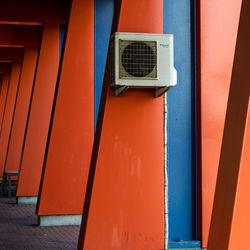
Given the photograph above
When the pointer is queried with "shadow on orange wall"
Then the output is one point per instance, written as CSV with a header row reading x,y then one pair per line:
x,y
219,25
230,218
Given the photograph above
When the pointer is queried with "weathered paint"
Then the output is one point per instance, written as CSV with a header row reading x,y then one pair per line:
x,y
229,228
15,146
127,203
218,32
40,113
8,113
72,129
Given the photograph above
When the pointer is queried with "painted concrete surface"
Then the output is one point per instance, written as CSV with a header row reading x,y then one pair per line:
x,y
27,200
60,220
219,25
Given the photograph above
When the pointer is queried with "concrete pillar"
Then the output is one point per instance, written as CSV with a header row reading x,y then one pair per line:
x,y
21,110
40,113
124,204
8,113
67,163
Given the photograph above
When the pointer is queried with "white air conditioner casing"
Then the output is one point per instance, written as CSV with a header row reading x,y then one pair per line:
x,y
142,60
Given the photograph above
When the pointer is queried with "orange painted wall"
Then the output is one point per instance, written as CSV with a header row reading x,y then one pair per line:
x,y
72,134
219,26
40,113
127,203
3,95
8,113
21,110
230,221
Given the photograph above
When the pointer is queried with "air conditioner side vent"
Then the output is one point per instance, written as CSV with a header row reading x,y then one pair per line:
x,y
112,61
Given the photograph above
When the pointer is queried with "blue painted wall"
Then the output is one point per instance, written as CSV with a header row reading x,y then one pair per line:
x,y
62,32
178,20
181,160
104,10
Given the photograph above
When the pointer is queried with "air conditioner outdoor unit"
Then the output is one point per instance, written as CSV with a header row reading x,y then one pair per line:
x,y
141,60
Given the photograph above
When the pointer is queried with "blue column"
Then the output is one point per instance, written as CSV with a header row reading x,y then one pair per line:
x,y
104,10
179,20
62,30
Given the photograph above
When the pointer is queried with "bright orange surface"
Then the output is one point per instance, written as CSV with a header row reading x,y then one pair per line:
x,y
8,113
127,205
229,227
40,113
21,110
3,94
219,24
72,133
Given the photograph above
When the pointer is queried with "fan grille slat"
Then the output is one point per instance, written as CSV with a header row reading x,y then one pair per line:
x,y
138,59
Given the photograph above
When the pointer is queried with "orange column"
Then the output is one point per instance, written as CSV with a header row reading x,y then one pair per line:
x,y
8,113
40,113
72,131
127,203
3,95
219,24
230,218
21,110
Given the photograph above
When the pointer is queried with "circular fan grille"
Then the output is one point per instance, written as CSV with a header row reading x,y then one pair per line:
x,y
138,59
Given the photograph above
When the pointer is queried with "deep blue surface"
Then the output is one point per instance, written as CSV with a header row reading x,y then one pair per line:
x,y
184,244
62,31
104,10
178,20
